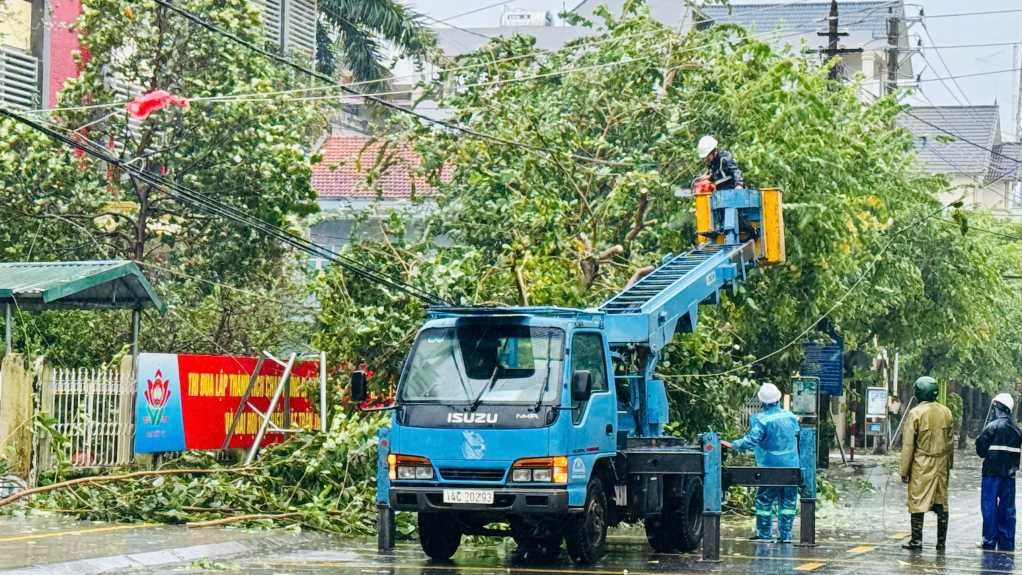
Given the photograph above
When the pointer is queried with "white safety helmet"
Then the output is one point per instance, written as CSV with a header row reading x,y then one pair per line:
x,y
706,145
1006,400
768,393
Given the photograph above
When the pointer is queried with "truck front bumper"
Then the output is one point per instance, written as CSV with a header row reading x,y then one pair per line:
x,y
508,500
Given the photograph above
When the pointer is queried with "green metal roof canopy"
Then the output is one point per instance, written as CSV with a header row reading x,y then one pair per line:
x,y
116,284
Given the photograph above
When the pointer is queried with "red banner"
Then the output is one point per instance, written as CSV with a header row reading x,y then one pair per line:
x,y
210,388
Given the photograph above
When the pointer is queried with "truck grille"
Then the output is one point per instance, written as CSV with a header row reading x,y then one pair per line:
x,y
461,474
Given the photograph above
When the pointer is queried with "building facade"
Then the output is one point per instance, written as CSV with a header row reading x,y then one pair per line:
x,y
38,45
982,169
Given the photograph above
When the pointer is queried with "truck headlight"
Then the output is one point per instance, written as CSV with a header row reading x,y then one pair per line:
x,y
409,467
540,470
545,474
521,475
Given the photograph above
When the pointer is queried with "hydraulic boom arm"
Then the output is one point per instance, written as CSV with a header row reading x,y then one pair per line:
x,y
743,228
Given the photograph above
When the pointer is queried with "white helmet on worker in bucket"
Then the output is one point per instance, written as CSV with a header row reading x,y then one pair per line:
x,y
1006,400
706,145
768,393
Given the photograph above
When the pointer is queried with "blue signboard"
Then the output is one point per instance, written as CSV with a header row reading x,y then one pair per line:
x,y
158,422
825,361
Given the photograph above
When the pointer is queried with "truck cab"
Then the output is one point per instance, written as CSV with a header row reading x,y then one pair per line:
x,y
506,416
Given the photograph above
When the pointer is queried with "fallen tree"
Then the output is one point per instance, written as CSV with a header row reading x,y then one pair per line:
x,y
323,481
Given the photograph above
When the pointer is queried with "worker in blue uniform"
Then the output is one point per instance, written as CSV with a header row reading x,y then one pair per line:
x,y
1000,446
773,435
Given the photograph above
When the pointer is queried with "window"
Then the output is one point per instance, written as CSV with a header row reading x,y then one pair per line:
x,y
587,354
491,364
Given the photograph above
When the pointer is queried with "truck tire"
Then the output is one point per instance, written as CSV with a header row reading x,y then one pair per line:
x,y
537,549
586,535
690,517
680,526
659,533
439,535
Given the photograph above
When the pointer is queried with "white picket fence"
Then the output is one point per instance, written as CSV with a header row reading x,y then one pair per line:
x,y
93,409
751,407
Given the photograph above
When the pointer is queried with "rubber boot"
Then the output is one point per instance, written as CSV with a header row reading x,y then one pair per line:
x,y
942,519
916,543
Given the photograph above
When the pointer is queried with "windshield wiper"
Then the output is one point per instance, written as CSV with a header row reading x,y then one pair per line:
x,y
482,392
454,360
546,380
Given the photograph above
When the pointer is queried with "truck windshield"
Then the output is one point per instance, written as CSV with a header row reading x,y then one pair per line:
x,y
478,364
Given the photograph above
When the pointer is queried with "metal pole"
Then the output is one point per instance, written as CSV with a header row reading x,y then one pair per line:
x,y
243,403
8,332
712,496
807,460
322,392
269,410
386,530
136,324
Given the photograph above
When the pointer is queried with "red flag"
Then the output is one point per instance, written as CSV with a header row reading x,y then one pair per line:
x,y
146,104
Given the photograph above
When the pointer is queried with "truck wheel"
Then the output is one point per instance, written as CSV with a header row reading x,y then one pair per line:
x,y
439,535
689,516
680,526
659,533
586,536
537,549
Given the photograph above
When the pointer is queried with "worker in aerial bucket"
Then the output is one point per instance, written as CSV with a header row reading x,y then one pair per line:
x,y
927,454
999,445
724,171
773,434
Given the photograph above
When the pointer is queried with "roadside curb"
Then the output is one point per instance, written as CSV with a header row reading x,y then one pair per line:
x,y
149,559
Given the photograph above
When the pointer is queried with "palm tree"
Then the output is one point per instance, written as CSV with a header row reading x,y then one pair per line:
x,y
349,35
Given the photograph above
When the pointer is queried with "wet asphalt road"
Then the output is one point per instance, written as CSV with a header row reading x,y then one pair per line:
x,y
861,534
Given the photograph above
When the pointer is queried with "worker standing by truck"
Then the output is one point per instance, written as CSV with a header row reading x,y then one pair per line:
x,y
773,434
999,445
724,171
927,454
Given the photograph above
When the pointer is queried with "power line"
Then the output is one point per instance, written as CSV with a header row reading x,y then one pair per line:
x,y
386,104
982,13
473,11
398,108
978,45
975,75
186,195
855,285
960,137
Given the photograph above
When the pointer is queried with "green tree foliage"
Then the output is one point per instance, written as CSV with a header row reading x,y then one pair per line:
x,y
253,154
607,127
350,35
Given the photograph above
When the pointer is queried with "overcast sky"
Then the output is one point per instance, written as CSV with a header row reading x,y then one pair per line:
x,y
949,31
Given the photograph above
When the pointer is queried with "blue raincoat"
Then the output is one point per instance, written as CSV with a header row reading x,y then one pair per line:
x,y
773,435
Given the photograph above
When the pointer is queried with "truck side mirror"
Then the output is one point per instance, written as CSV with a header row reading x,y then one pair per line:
x,y
359,390
581,385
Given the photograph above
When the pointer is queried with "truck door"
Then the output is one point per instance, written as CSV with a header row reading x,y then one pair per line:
x,y
594,422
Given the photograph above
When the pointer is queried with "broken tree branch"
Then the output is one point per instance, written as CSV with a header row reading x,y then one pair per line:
x,y
240,518
104,478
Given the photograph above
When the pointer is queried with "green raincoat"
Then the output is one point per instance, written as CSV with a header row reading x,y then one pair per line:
x,y
927,454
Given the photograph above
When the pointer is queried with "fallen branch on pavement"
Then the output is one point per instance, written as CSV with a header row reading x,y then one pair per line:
x,y
95,479
240,518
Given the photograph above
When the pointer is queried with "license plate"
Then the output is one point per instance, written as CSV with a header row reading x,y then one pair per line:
x,y
471,496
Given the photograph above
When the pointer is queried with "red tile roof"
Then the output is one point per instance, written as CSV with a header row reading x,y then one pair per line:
x,y
349,170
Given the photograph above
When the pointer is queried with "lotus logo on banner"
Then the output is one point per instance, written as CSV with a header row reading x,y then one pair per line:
x,y
157,394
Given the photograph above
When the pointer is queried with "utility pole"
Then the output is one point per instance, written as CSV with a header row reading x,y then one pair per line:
x,y
1016,62
893,26
833,34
